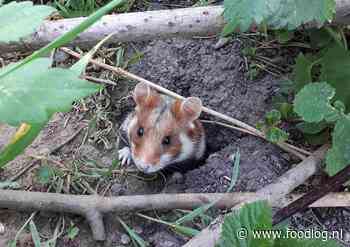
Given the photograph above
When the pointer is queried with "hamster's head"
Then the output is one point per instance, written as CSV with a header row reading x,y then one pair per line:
x,y
163,131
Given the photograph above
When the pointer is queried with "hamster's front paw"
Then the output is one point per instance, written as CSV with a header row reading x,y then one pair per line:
x,y
124,156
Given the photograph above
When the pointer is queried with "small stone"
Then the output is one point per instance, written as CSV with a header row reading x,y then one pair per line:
x,y
125,239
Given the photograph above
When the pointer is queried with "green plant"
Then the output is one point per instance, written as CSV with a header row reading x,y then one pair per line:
x,y
276,14
252,226
270,127
26,97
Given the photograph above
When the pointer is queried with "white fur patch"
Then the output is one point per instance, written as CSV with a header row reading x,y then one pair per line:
x,y
186,148
201,148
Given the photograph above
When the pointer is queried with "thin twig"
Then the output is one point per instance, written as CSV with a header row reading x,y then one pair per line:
x,y
99,80
289,148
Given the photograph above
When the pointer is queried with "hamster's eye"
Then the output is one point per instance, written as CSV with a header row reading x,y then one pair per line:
x,y
140,132
166,140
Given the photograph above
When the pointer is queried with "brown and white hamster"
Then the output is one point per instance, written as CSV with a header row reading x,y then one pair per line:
x,y
162,131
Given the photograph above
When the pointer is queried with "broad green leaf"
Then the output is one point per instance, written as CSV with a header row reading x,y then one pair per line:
x,y
35,234
312,103
67,37
312,128
336,72
34,92
19,19
252,216
302,72
338,157
24,136
276,135
278,14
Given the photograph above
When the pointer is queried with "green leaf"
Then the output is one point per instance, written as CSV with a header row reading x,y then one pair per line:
x,y
135,237
73,232
312,103
319,37
278,14
67,37
35,234
272,118
338,157
283,36
252,216
24,136
276,135
34,92
336,71
302,72
44,174
19,19
312,128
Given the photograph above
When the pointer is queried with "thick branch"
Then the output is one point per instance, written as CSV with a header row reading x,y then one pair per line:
x,y
272,193
148,25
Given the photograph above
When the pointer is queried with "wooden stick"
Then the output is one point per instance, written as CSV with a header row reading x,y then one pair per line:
x,y
93,207
272,193
332,184
184,22
119,71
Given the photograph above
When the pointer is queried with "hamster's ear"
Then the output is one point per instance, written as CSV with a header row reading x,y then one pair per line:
x,y
145,96
188,109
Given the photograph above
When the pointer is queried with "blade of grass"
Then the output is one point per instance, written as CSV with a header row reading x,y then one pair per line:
x,y
69,36
35,234
181,229
135,237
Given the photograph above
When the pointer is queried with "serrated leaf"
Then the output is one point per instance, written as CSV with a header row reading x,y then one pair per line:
x,y
338,157
336,71
34,92
19,19
276,135
252,216
278,14
24,136
302,72
312,103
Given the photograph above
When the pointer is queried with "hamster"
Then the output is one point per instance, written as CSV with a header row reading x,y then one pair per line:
x,y
162,131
